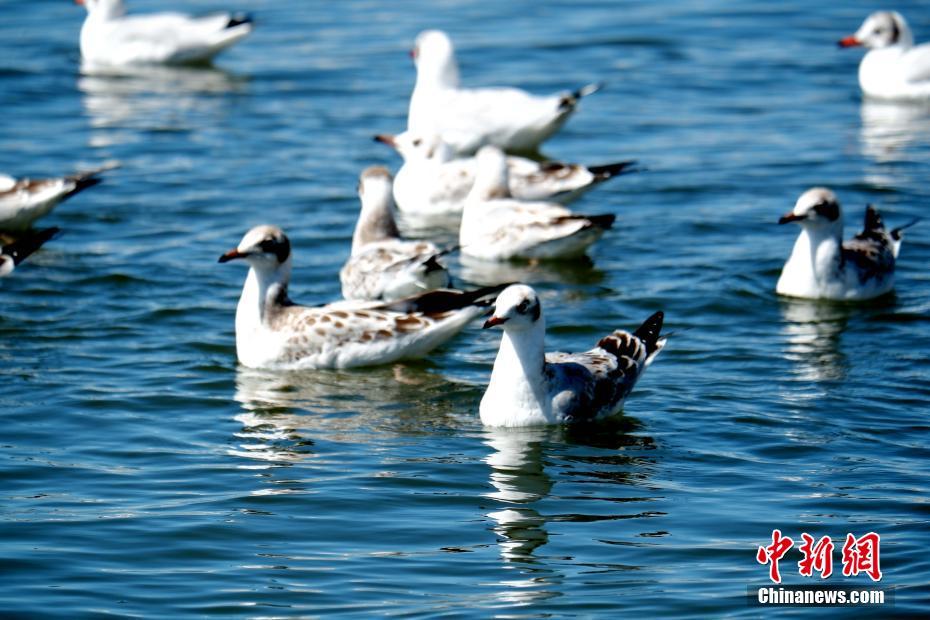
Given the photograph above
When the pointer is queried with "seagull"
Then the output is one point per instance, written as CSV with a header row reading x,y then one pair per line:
x,y
823,266
530,387
468,118
23,201
382,265
434,183
274,332
894,68
495,226
110,38
15,252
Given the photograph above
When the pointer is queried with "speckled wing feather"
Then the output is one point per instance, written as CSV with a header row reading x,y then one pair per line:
x,y
871,252
588,385
393,269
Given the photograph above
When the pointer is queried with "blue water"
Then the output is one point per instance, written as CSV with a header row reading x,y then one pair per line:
x,y
143,473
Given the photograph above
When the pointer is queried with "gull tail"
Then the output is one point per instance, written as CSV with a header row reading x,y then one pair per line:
x,y
88,178
437,302
604,222
237,19
897,236
607,171
649,333
28,243
570,100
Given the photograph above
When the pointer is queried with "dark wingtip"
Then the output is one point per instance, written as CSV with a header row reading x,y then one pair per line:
x,y
446,300
873,221
649,331
29,243
602,221
611,170
238,19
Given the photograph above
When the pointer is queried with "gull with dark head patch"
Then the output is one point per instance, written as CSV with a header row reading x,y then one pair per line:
x,y
382,265
893,68
274,332
531,387
823,266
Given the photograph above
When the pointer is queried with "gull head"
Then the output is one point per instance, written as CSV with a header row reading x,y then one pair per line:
x,y
264,248
415,146
880,29
817,207
375,185
517,309
491,179
434,57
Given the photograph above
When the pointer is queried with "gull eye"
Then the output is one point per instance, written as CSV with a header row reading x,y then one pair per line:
x,y
523,306
417,142
267,245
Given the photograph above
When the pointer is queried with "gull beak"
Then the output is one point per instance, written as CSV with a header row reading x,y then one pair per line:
x,y
231,255
388,139
493,321
791,217
79,2
413,54
850,41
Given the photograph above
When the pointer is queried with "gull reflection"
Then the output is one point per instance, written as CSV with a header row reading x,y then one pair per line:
x,y
280,410
156,98
891,130
812,331
518,474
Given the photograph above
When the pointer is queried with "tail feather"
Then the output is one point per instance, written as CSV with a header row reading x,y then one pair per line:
x,y
237,19
571,99
604,221
88,178
649,331
437,302
873,221
602,173
896,232
20,249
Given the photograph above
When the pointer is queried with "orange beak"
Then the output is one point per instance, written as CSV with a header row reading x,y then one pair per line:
x,y
493,321
231,255
849,41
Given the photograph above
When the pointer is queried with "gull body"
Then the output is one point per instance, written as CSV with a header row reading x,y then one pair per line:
x,y
893,68
823,266
468,118
274,332
111,38
530,387
432,182
382,265
495,226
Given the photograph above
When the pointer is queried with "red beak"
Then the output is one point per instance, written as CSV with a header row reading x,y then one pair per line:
x,y
849,41
79,1
384,138
790,217
413,54
231,255
493,321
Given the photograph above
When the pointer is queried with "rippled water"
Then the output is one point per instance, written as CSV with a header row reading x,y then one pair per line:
x,y
144,474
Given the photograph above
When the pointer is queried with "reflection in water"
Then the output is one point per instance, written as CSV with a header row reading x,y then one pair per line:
x,y
890,130
153,98
281,408
489,273
812,330
518,475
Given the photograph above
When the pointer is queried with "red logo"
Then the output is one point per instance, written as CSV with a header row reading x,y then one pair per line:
x,y
860,555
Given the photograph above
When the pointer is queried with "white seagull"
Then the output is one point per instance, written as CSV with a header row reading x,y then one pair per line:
x,y
15,252
894,68
495,226
530,387
110,38
432,183
273,332
382,265
23,201
823,266
468,118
